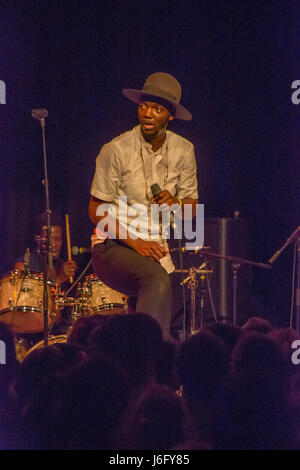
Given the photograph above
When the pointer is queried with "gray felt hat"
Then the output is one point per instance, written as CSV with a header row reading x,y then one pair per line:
x,y
161,85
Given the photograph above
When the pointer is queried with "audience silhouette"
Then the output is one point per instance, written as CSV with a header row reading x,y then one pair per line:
x,y
117,384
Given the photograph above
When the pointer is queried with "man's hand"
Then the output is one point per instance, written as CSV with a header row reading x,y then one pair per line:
x,y
165,197
149,248
69,268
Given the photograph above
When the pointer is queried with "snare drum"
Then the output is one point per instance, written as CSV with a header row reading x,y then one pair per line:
x,y
98,298
21,301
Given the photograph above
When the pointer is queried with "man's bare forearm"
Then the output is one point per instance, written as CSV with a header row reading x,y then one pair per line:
x,y
119,231
148,248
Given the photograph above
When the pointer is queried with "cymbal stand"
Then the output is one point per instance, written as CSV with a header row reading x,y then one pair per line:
x,y
202,294
192,283
235,267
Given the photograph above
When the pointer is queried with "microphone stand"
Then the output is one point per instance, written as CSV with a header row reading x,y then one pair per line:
x,y
297,293
235,265
295,236
41,114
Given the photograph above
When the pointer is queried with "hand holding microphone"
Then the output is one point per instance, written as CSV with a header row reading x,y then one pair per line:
x,y
150,248
163,197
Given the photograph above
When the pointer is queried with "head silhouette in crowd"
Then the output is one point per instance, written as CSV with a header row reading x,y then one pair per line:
x,y
203,365
285,338
134,341
257,351
227,332
261,325
257,415
157,420
82,328
165,370
41,365
96,397
203,368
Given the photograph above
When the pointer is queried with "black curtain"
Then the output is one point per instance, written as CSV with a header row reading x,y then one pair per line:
x,y
236,62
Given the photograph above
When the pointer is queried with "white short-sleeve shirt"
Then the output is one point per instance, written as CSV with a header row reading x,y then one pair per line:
x,y
127,167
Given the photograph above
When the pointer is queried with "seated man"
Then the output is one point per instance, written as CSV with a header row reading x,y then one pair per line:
x,y
62,270
143,167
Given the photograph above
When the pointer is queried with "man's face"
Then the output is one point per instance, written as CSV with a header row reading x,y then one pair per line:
x,y
153,118
56,239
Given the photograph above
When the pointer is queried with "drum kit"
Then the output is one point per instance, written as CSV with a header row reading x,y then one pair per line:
x,y
21,303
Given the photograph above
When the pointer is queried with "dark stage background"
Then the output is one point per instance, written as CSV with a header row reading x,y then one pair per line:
x,y
236,62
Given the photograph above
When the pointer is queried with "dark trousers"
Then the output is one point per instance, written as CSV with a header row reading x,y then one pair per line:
x,y
126,271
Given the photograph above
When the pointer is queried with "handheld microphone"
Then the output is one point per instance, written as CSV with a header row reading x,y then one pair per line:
x,y
80,250
155,189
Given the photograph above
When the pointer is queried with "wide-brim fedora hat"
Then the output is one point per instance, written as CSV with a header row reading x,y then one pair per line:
x,y
160,86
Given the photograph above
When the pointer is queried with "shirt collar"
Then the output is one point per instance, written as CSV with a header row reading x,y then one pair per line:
x,y
148,147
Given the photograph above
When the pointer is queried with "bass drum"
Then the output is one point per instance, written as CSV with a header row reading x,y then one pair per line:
x,y
98,298
51,340
21,301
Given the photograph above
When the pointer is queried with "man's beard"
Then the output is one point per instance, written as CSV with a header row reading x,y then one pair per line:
x,y
158,133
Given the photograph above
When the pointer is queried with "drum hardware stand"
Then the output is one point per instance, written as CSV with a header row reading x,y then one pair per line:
x,y
192,284
181,250
75,304
43,249
235,265
41,115
202,294
294,237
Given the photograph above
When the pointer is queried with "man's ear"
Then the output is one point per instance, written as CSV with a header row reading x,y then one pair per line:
x,y
171,118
